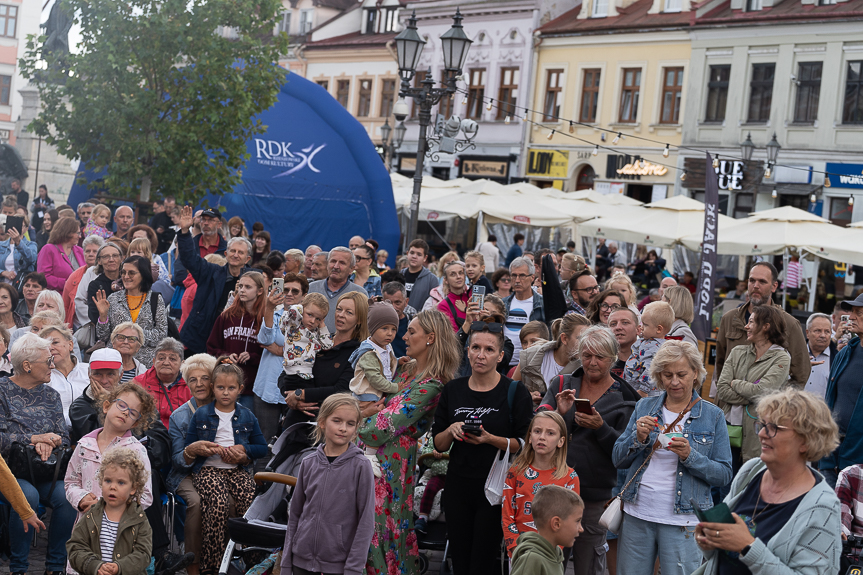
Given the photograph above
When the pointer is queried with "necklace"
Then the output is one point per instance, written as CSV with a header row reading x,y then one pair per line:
x,y
140,301
755,511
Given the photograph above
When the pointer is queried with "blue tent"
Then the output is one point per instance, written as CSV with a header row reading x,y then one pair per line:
x,y
314,176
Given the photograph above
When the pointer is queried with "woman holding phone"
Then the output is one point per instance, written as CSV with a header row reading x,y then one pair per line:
x,y
674,449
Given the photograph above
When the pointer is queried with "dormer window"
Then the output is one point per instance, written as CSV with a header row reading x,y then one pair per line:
x,y
753,5
600,9
673,5
371,16
306,21
380,21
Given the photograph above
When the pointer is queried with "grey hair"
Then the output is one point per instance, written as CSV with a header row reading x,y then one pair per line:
x,y
815,316
46,316
392,288
298,257
85,205
128,325
521,262
28,348
244,241
671,352
322,254
343,250
313,246
170,344
600,341
198,361
58,299
611,244
93,240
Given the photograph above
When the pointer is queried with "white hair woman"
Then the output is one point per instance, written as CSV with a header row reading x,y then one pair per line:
x,y
786,516
69,377
680,300
127,338
658,513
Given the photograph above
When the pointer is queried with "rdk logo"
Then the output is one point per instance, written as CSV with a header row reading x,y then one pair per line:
x,y
279,155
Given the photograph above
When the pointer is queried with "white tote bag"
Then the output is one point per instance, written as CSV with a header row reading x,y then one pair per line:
x,y
496,477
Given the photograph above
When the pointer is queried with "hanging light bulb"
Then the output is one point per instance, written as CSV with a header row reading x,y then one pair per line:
x,y
683,176
550,134
768,172
571,127
716,162
489,105
827,181
774,194
525,117
642,164
813,198
595,151
507,120
851,200
665,151
616,138
464,100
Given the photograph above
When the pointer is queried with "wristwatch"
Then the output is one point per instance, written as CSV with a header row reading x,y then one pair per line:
x,y
745,550
299,393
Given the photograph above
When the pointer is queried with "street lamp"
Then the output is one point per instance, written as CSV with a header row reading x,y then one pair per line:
x,y
409,46
391,145
747,147
773,147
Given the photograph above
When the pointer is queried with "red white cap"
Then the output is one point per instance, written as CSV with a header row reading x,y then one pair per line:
x,y
106,358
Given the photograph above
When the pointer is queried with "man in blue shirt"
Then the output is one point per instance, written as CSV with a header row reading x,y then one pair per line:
x,y
516,250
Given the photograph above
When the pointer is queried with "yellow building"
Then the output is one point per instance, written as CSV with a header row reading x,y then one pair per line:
x,y
620,66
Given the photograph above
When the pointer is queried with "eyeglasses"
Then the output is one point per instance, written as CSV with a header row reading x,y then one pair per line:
x,y
520,276
50,361
607,307
122,338
492,327
504,280
590,289
121,405
110,257
771,428
293,291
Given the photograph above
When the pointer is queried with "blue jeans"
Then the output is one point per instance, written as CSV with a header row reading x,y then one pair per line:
x,y
59,528
641,542
248,401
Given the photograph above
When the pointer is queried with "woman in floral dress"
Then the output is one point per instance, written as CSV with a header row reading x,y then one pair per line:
x,y
394,425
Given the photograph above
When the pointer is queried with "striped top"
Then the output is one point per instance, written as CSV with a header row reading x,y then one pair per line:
x,y
107,538
129,375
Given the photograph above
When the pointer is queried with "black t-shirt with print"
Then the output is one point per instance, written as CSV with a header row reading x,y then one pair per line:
x,y
458,401
410,278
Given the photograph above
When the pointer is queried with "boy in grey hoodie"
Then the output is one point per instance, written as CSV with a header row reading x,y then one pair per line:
x,y
557,515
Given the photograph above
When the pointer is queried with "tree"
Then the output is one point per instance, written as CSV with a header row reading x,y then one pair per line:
x,y
156,94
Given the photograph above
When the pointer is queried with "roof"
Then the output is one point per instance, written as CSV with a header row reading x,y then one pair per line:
x,y
354,39
633,17
787,10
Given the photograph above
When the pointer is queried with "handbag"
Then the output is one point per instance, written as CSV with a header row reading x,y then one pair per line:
x,y
25,463
612,518
494,483
735,435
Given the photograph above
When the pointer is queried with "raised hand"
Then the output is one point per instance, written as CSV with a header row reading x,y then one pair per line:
x,y
102,305
187,218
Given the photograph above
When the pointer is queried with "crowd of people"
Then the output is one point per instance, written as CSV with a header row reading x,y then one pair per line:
x,y
167,357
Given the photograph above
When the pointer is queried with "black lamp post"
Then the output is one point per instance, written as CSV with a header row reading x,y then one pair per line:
x,y
391,145
409,46
773,147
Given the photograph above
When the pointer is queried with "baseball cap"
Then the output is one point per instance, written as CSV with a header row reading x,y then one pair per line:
x,y
210,213
852,303
106,358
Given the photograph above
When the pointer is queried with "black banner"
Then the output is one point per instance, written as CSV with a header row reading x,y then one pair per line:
x,y
701,325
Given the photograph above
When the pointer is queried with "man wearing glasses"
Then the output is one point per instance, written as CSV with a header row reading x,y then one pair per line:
x,y
583,287
523,305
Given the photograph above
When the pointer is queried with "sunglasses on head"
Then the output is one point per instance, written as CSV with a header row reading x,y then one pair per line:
x,y
492,327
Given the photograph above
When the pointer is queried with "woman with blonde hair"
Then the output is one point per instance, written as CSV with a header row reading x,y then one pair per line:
x,y
621,283
127,338
437,294
381,260
394,425
680,301
787,519
141,247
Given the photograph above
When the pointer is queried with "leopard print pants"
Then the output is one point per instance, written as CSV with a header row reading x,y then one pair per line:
x,y
214,486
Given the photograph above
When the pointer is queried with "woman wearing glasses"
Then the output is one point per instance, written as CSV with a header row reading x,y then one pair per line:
x,y
127,338
752,371
107,276
69,377
663,479
786,517
502,283
365,274
477,416
37,418
603,304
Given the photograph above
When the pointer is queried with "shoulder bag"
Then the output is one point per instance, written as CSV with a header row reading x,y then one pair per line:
x,y
612,517
497,474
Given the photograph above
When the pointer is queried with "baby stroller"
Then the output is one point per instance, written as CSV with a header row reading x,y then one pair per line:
x,y
435,538
261,530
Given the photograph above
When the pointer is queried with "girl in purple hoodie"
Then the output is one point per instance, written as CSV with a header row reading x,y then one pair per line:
x,y
332,516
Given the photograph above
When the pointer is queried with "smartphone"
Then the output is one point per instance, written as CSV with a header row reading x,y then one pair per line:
x,y
583,406
10,222
845,318
477,295
717,514
472,425
278,285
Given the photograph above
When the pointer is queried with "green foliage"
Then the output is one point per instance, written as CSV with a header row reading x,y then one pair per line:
x,y
155,91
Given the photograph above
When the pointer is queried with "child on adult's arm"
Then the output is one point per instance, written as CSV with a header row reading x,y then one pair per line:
x,y
557,515
656,322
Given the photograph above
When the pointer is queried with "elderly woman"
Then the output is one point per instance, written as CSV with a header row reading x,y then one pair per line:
x,y
31,413
750,371
39,321
197,371
473,523
680,301
786,516
268,400
394,425
592,436
104,277
127,338
164,380
662,479
91,246
69,376
133,303
603,304
537,365
8,302
61,255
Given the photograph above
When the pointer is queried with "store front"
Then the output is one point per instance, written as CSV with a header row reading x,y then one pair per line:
x,y
738,184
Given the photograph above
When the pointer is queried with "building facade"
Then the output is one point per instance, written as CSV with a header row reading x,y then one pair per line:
x,y
607,74
792,68
298,19
18,19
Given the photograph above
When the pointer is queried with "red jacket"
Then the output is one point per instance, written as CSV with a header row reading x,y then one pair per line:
x,y
236,335
168,397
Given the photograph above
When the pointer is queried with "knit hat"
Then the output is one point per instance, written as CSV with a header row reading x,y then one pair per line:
x,y
381,314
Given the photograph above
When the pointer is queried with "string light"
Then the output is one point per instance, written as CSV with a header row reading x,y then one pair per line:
x,y
716,163
665,151
550,134
489,106
851,200
683,176
768,172
813,198
827,181
774,194
571,127
464,101
507,119
642,164
616,138
595,151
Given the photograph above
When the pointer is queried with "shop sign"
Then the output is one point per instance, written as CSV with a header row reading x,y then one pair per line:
x,y
648,169
484,168
733,175
432,216
845,175
548,163
730,175
522,219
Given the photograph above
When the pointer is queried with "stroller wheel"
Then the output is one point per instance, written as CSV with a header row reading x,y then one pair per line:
x,y
424,563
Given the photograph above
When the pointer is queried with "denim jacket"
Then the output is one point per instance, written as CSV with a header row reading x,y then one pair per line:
x,y
709,461
247,432
25,256
178,430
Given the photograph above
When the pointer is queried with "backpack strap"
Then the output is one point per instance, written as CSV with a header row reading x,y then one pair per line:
x,y
510,398
458,320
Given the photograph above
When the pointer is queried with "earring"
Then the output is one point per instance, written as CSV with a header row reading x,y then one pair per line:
x,y
28,371
428,343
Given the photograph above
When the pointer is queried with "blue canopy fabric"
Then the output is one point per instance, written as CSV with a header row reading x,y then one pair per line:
x,y
313,177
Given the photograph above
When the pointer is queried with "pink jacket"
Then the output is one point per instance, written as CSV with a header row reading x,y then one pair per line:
x,y
84,463
55,264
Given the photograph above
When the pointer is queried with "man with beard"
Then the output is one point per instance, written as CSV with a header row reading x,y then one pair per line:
x,y
762,284
583,287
